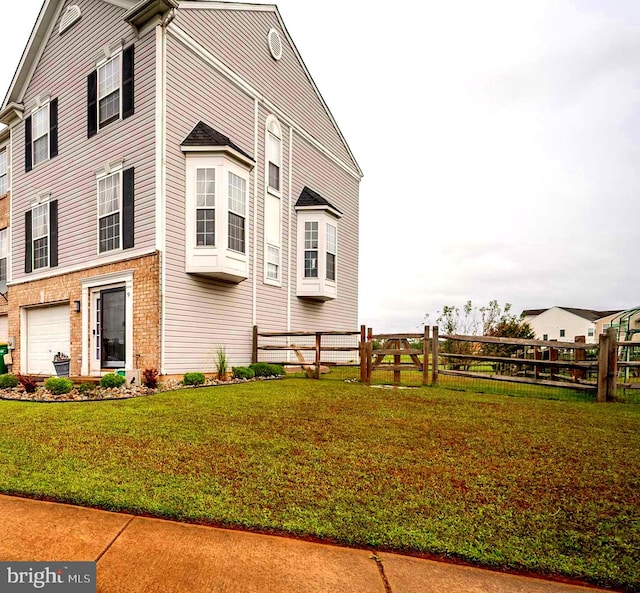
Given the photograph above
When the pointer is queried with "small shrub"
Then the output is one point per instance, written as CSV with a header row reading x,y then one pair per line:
x,y
8,381
150,378
243,373
193,379
28,383
221,363
263,369
86,388
58,385
112,380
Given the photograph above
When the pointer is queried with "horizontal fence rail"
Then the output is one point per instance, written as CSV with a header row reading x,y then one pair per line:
x,y
600,367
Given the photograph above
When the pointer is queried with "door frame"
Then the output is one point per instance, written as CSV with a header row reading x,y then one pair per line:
x,y
91,288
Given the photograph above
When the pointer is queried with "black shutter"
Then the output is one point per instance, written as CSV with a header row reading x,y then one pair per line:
x,y
92,104
53,128
127,82
28,157
53,234
28,265
128,210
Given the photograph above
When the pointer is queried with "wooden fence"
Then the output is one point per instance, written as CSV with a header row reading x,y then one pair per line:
x,y
573,365
319,346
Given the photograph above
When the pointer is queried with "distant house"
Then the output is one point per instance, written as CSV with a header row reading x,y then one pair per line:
x,y
565,323
626,323
170,177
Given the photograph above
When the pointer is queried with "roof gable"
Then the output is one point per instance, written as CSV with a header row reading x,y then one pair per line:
x,y
588,314
236,36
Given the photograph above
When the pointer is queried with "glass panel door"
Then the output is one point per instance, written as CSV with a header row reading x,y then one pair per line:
x,y
112,328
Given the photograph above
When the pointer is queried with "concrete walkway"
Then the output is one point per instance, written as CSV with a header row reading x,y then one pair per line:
x,y
136,555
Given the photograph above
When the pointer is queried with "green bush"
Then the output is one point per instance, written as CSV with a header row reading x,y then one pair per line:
x,y
264,369
58,385
86,388
112,380
243,373
8,381
193,379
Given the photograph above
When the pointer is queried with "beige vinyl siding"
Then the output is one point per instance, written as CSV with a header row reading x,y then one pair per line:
x,y
239,39
340,189
70,177
200,313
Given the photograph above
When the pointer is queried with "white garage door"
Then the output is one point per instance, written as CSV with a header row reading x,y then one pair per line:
x,y
4,329
47,333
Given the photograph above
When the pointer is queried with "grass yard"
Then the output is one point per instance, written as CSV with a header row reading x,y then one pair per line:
x,y
551,487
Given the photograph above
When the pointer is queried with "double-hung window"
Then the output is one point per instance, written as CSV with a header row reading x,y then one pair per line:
x,y
311,249
115,211
41,135
237,193
110,89
40,236
109,213
332,247
4,184
206,207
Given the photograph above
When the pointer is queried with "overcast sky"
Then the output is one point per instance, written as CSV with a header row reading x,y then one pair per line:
x,y
500,142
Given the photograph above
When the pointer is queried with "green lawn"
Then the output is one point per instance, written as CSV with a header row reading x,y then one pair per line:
x,y
528,484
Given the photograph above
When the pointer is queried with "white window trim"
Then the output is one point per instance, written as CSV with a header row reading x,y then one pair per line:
x,y
45,106
101,176
217,261
271,122
117,55
243,215
4,254
214,208
334,253
316,288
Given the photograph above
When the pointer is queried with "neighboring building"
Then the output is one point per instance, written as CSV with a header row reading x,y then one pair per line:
x,y
626,323
565,323
176,178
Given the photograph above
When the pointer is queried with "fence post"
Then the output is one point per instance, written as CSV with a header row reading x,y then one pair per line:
x,y
396,364
579,355
537,355
612,366
254,347
603,367
553,356
434,356
425,356
318,355
363,354
369,353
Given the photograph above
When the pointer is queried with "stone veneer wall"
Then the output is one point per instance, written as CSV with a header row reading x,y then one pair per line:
x,y
67,288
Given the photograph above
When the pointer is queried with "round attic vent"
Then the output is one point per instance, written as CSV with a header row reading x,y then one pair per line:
x,y
275,44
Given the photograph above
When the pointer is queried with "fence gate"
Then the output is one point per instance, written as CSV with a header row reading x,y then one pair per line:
x,y
405,355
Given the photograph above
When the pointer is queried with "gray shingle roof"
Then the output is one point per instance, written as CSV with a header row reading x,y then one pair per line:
x,y
204,135
589,314
308,198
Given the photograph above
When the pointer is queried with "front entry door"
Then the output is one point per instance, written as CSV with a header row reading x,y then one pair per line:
x,y
111,329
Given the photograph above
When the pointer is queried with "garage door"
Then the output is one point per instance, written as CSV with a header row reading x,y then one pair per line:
x,y
4,329
47,333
